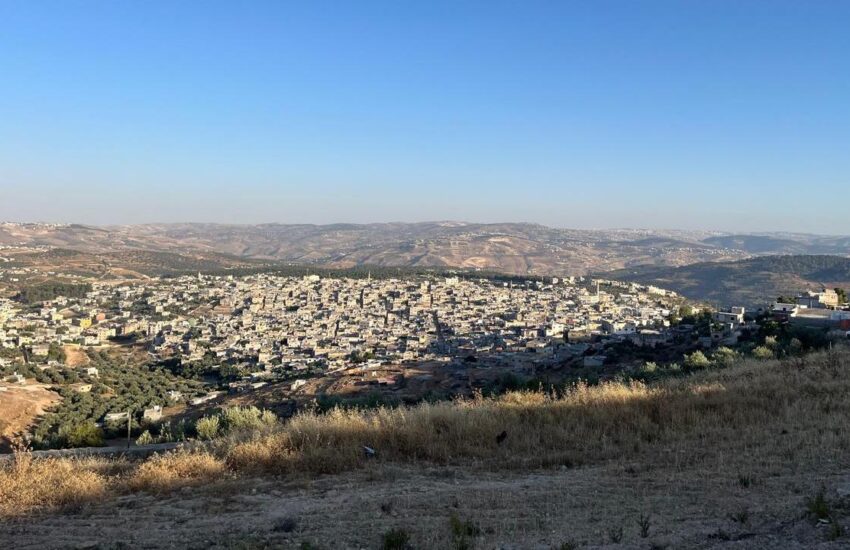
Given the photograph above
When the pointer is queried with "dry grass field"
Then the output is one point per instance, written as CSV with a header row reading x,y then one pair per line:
x,y
751,456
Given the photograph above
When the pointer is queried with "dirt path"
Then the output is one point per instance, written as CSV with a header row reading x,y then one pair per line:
x,y
588,507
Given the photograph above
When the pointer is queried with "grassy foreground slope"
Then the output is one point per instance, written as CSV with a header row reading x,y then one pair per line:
x,y
756,453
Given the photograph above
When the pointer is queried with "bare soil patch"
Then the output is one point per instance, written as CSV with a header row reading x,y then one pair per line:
x,y
20,407
75,356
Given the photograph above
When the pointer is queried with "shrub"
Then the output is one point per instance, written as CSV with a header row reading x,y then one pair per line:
x,y
239,419
725,357
697,360
145,439
208,427
173,432
763,353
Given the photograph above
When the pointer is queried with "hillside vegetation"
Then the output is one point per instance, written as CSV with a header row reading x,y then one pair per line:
x,y
756,414
752,282
49,291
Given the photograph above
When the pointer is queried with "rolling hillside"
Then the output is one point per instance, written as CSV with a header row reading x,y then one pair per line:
x,y
782,243
753,282
518,248
515,248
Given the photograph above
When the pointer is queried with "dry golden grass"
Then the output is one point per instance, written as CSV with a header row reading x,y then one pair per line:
x,y
744,408
27,485
756,413
163,473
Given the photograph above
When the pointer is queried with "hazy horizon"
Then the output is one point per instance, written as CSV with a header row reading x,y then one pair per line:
x,y
425,222
721,116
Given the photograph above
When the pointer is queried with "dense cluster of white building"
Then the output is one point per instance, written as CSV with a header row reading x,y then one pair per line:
x,y
272,323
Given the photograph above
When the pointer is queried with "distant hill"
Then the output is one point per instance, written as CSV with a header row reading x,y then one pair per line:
x,y
782,244
515,248
758,244
752,282
55,265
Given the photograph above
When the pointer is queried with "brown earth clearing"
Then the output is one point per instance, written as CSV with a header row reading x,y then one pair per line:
x,y
75,356
20,406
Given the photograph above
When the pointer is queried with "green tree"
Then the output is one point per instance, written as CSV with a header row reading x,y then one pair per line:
x,y
48,291
56,352
230,372
84,434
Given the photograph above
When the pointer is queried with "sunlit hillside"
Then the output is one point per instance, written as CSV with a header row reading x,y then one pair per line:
x,y
772,436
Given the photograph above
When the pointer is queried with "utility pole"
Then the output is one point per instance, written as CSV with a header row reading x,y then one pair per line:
x,y
129,417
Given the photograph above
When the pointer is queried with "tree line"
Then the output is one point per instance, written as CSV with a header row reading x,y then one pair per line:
x,y
43,292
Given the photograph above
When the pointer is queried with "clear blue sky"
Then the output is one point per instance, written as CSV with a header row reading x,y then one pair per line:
x,y
713,114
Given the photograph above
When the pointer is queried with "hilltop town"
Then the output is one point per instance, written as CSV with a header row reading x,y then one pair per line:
x,y
312,336
409,275
257,334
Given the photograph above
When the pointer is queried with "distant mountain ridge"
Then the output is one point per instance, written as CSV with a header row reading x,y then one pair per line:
x,y
780,244
519,248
